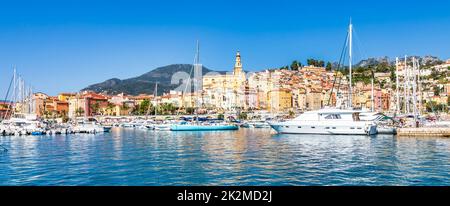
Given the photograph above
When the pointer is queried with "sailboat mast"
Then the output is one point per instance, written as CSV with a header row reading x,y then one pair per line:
x,y
197,60
408,89
372,98
414,73
13,106
350,52
419,88
156,99
405,79
397,106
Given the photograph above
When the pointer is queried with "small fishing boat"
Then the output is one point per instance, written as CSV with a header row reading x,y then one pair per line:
x,y
37,133
88,126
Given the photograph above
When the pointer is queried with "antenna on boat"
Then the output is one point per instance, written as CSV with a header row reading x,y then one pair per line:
x,y
350,53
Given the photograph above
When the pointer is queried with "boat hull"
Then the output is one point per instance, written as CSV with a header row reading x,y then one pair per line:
x,y
107,128
202,127
330,129
387,130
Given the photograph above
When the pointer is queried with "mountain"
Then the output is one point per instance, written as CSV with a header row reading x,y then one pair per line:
x,y
373,62
145,83
425,60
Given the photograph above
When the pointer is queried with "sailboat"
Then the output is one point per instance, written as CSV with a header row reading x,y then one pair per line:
x,y
23,119
196,125
159,126
327,121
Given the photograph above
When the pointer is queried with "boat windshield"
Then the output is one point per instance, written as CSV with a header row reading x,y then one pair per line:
x,y
333,116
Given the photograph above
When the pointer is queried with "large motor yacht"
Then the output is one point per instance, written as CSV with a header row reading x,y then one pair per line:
x,y
327,121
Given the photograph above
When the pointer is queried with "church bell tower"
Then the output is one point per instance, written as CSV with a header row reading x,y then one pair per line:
x,y
237,66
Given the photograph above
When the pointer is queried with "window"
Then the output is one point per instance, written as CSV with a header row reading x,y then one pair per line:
x,y
334,127
333,116
299,127
352,128
359,128
313,127
327,127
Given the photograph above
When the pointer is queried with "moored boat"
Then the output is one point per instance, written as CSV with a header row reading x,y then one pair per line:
x,y
189,127
326,121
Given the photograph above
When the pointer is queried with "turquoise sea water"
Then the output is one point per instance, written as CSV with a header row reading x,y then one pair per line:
x,y
243,157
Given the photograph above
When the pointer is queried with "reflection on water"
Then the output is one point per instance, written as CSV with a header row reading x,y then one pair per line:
x,y
243,157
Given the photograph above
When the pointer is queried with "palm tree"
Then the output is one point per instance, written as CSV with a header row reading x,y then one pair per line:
x,y
78,111
109,108
124,107
94,108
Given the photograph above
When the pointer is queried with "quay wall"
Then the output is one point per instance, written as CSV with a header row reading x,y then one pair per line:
x,y
423,132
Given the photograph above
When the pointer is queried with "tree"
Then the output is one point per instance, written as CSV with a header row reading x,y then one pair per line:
x,y
124,107
295,65
190,110
144,106
393,75
291,113
109,108
310,62
79,111
285,68
316,63
243,116
329,66
95,107
168,108
436,90
220,116
320,63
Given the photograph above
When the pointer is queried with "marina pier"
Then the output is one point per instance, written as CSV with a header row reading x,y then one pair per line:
x,y
424,132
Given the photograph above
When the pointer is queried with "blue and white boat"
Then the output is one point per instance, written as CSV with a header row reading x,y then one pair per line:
x,y
196,126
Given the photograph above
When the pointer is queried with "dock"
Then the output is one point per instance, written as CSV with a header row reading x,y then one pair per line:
x,y
424,132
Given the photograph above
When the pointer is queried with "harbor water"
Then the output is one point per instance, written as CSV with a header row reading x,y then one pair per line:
x,y
242,157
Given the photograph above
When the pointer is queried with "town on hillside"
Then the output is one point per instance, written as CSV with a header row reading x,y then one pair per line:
x,y
284,91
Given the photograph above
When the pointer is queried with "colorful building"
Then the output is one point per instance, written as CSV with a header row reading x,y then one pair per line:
x,y
225,91
279,100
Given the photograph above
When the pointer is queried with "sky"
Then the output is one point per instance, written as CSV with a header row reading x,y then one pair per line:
x,y
64,46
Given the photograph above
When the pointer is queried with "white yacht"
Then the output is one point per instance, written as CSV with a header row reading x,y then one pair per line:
x,y
23,124
87,126
256,124
327,121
